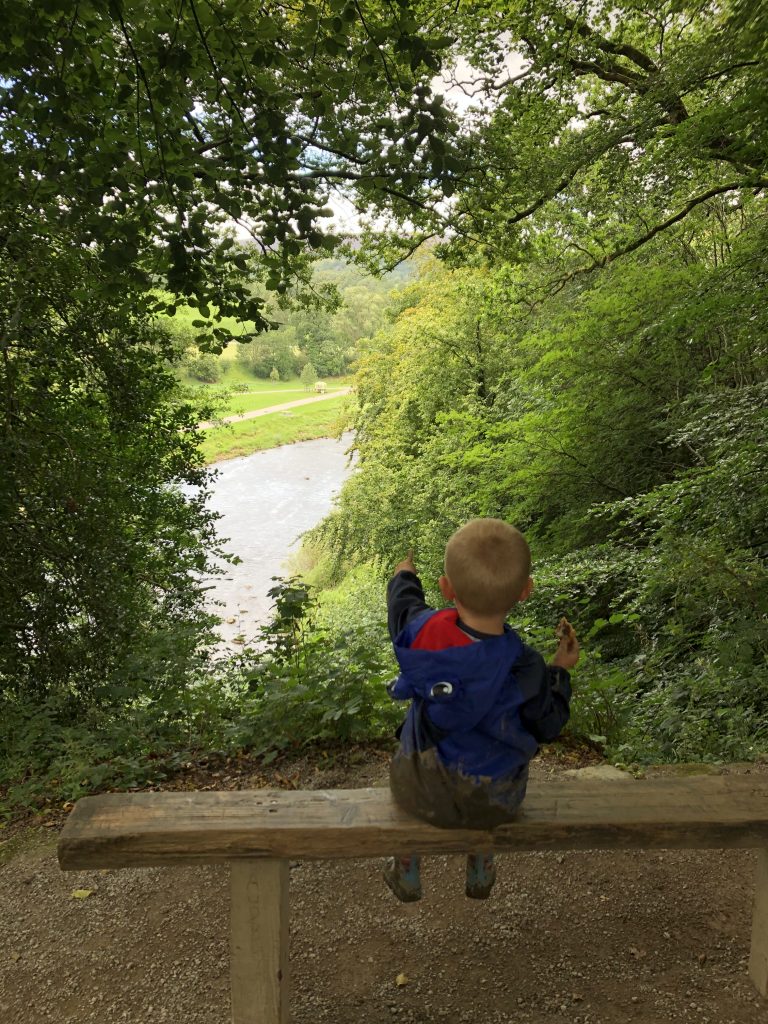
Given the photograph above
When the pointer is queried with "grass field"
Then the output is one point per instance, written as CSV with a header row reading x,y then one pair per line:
x,y
322,419
250,392
233,405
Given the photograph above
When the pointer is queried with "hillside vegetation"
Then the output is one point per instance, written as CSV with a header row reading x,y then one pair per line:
x,y
621,426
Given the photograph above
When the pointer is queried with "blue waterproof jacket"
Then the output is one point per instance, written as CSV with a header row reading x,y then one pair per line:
x,y
480,705
485,704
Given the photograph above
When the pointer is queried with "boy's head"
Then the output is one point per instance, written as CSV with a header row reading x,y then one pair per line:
x,y
487,566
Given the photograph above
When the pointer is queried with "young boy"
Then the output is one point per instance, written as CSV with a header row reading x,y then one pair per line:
x,y
481,699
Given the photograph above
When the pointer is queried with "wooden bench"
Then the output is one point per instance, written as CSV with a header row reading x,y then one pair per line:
x,y
258,831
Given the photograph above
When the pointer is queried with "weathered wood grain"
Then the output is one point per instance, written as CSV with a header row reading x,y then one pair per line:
x,y
259,942
122,830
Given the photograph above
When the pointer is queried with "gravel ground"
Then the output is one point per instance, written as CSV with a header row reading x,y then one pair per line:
x,y
587,938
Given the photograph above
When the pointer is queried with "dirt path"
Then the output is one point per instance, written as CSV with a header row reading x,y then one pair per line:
x,y
206,424
585,938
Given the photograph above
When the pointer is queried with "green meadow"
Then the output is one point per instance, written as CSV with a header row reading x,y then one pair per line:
x,y
305,423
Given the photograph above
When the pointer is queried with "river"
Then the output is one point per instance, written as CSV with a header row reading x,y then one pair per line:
x,y
266,501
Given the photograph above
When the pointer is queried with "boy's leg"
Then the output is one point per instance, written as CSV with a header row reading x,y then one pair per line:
x,y
403,876
481,874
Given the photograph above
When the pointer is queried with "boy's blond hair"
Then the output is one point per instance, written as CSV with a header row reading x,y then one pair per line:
x,y
488,563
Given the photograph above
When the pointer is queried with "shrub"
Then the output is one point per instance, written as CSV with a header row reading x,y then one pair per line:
x,y
304,683
204,366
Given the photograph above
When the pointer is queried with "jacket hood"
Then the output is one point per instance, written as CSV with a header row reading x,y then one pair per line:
x,y
461,684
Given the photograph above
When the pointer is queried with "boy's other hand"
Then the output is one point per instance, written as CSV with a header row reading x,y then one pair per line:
x,y
567,653
407,564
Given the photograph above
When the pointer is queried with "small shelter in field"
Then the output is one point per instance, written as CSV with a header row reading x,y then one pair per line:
x,y
320,387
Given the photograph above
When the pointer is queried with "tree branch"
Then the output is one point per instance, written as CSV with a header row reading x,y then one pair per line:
x,y
610,72
219,77
719,74
642,60
732,186
564,182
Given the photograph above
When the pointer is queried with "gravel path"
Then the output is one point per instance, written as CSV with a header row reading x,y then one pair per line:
x,y
206,424
586,938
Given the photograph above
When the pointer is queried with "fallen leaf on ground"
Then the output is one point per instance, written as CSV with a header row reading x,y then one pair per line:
x,y
81,894
401,979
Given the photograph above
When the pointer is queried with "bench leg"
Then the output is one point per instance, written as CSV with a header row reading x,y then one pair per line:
x,y
259,941
758,961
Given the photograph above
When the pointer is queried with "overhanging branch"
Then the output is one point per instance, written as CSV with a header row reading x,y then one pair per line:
x,y
638,243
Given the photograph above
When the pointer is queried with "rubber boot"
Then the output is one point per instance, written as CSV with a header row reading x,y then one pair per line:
x,y
481,874
403,876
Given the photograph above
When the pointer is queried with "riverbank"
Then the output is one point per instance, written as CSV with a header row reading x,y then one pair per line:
x,y
262,409
272,429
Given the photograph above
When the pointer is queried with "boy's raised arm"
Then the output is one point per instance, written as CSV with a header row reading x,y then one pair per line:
x,y
405,596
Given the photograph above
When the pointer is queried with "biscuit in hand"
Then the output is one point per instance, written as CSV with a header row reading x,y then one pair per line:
x,y
565,631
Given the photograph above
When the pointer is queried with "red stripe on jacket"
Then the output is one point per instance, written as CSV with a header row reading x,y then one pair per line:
x,y
441,631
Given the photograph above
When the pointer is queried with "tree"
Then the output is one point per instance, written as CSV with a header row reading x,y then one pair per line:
x,y
308,376
609,123
141,129
203,365
273,350
274,374
101,590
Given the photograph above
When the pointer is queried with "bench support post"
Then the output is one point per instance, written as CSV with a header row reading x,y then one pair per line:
x,y
758,961
259,940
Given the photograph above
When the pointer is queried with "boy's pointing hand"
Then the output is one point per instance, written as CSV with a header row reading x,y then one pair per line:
x,y
407,564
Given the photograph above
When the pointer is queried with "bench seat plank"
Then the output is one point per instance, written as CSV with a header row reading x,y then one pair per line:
x,y
142,829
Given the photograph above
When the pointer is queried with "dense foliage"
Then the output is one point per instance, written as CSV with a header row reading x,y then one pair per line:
x,y
325,335
130,134
105,548
141,128
103,509
621,424
583,354
593,129
322,326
